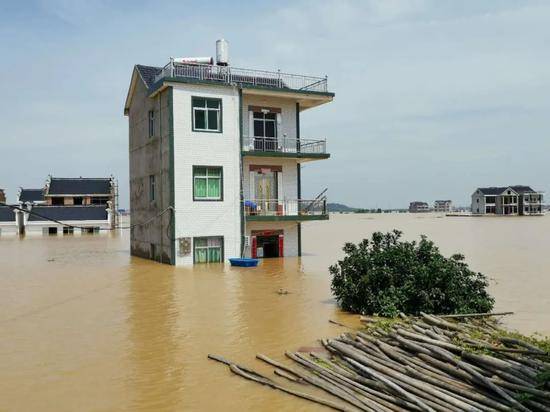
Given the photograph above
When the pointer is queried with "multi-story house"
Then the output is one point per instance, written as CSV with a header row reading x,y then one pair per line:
x,y
215,156
444,206
418,207
507,200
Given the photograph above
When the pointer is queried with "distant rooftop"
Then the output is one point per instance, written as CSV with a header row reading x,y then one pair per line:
x,y
68,213
497,190
6,214
229,75
31,195
79,186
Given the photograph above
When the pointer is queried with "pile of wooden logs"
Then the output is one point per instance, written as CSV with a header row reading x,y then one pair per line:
x,y
427,363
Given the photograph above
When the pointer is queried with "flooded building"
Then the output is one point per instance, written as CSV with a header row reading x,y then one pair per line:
x,y
80,191
507,200
64,206
444,206
418,207
215,156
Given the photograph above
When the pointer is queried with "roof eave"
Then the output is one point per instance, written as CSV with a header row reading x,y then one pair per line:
x,y
131,89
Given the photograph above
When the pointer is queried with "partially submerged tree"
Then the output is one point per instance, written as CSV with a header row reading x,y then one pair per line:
x,y
385,276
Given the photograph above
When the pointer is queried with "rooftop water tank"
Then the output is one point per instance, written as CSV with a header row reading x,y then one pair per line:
x,y
222,52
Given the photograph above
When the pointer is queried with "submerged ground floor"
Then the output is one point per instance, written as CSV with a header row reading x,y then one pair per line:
x,y
261,240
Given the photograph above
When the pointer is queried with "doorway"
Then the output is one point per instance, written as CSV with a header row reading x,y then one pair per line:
x,y
265,185
268,246
267,243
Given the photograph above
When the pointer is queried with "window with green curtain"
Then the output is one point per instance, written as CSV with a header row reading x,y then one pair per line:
x,y
207,114
208,249
207,183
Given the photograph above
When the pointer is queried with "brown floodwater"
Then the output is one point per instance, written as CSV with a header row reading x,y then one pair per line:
x,y
84,326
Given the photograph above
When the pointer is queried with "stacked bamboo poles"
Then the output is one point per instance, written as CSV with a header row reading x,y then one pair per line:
x,y
429,363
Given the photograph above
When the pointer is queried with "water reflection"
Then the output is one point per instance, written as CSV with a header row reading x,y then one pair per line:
x,y
156,376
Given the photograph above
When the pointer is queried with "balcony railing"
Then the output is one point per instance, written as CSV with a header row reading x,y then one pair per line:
x,y
292,207
284,145
246,77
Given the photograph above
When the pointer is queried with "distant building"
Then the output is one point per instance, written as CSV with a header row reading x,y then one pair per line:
x,y
35,196
90,204
2,196
507,200
444,206
418,207
80,191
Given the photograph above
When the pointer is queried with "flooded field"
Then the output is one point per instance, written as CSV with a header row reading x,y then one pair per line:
x,y
83,326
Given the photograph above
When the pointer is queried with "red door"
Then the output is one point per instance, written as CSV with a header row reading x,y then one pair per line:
x,y
253,247
281,245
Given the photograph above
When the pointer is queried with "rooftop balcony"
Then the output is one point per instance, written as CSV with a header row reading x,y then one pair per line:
x,y
288,209
243,77
285,147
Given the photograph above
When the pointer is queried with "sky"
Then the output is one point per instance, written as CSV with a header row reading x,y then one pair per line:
x,y
433,97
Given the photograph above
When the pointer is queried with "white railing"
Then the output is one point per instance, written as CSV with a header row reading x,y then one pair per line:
x,y
284,145
247,77
286,207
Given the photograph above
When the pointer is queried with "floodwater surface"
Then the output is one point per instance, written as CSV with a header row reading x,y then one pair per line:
x,y
84,326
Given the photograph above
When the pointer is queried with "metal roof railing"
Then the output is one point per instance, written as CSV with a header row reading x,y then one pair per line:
x,y
245,77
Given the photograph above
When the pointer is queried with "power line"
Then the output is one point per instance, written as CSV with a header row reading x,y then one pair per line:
x,y
30,212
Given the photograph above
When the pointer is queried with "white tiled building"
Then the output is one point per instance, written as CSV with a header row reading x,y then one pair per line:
x,y
215,154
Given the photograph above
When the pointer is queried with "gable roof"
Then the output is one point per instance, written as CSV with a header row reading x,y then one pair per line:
x,y
31,195
147,75
79,186
67,213
523,189
7,214
497,190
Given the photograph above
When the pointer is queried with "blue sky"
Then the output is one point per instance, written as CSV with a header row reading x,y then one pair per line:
x,y
433,98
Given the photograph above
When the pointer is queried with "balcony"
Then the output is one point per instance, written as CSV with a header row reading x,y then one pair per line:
x,y
285,147
243,77
286,210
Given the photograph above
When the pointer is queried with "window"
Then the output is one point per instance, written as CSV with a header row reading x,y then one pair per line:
x,y
152,185
207,114
78,200
265,124
208,249
58,201
99,200
68,230
151,123
207,183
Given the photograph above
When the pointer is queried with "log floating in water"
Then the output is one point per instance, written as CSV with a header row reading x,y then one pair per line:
x,y
476,315
259,378
427,363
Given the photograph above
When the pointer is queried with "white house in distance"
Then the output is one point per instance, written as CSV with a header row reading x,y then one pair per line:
x,y
507,200
215,155
445,206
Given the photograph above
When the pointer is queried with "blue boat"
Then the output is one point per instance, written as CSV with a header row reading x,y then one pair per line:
x,y
244,262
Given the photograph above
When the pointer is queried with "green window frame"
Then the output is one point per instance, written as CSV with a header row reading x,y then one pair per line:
x,y
152,188
207,114
207,183
151,123
208,249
